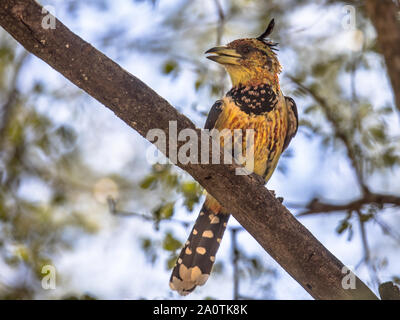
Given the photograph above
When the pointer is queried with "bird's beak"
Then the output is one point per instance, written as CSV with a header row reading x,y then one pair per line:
x,y
224,55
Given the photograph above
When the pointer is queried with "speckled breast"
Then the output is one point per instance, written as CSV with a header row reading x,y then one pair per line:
x,y
262,109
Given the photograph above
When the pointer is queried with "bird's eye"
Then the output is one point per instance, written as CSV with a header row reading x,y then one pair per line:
x,y
245,50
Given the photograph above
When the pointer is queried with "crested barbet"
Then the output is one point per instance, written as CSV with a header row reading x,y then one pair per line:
x,y
256,102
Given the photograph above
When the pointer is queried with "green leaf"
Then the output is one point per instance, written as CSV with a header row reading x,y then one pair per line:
x,y
189,188
344,224
172,180
192,192
386,110
167,210
171,261
389,158
6,54
146,244
148,182
198,84
169,67
365,217
67,135
378,133
320,69
170,243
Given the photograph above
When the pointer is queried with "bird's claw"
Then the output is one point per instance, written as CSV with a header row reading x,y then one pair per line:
x,y
280,199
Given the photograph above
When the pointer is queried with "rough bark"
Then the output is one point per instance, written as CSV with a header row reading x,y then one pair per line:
x,y
265,218
384,14
389,291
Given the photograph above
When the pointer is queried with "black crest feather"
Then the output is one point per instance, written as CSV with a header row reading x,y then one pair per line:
x,y
266,33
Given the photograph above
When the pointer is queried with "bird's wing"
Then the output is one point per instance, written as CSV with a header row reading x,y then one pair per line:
x,y
213,115
292,121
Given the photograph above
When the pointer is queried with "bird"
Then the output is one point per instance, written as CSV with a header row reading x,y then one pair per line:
x,y
256,102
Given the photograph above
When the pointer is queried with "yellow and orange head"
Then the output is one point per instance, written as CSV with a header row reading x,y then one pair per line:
x,y
249,61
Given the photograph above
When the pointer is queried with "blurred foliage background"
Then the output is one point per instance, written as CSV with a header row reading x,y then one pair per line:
x,y
77,192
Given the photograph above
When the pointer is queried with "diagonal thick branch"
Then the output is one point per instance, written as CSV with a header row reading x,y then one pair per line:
x,y
264,217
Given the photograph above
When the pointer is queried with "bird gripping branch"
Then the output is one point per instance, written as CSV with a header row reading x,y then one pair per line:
x,y
256,102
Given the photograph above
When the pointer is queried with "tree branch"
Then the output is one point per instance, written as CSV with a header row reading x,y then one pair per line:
x,y
384,15
316,206
265,218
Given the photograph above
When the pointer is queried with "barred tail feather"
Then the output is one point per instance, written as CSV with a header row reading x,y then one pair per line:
x,y
197,257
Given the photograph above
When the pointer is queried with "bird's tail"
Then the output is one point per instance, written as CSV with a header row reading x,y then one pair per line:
x,y
197,257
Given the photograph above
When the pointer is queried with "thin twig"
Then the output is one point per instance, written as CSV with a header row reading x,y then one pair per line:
x,y
112,206
13,93
235,261
373,272
387,229
220,33
318,207
221,21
